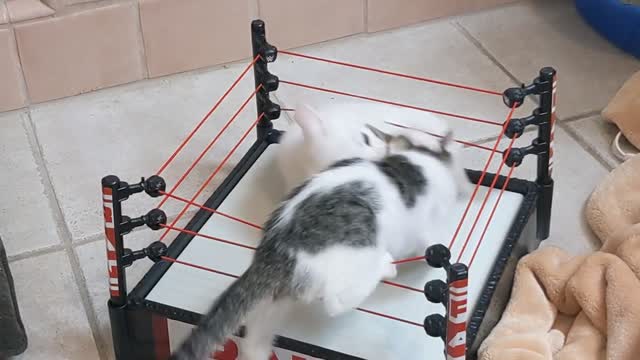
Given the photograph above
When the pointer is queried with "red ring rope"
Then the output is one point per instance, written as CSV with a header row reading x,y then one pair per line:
x,y
184,263
214,211
466,143
210,145
392,73
486,198
193,233
475,190
206,117
443,113
215,172
493,211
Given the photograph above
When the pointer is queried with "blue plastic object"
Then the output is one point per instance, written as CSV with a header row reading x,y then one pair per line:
x,y
616,20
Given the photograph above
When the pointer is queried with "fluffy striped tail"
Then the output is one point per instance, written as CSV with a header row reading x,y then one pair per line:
x,y
226,315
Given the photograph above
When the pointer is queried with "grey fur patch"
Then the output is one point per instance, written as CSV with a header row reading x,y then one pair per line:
x,y
442,155
406,176
344,215
346,162
268,277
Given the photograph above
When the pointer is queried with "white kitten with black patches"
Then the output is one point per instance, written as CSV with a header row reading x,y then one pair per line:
x,y
333,239
320,136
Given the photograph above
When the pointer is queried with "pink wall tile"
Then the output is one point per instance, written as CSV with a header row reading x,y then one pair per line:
x,y
20,10
80,52
54,4
4,17
182,35
387,14
12,94
292,23
384,14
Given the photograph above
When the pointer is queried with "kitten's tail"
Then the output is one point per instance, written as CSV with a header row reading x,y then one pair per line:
x,y
227,313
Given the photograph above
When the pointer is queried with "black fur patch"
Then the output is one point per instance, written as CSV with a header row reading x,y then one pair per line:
x,y
346,162
406,176
442,155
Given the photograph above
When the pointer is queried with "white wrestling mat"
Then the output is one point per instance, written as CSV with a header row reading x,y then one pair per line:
x,y
356,333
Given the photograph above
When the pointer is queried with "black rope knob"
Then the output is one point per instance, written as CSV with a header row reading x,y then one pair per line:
x,y
154,186
272,111
269,53
155,219
437,256
156,251
270,83
515,128
435,325
515,157
435,291
514,96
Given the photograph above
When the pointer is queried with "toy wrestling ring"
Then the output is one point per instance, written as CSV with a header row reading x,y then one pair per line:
x,y
216,246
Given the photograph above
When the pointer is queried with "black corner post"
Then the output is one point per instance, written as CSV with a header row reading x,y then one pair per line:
x,y
547,84
265,53
453,295
116,225
544,117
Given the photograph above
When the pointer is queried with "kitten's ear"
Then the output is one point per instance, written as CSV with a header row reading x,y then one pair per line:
x,y
400,143
309,121
379,133
446,140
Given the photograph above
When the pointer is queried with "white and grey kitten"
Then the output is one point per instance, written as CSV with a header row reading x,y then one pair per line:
x,y
322,135
333,240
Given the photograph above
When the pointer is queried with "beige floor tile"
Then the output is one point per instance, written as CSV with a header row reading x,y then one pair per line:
x,y
93,262
57,327
598,135
529,35
575,173
435,50
26,220
130,131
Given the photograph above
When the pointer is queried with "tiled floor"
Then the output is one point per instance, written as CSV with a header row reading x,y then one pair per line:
x,y
54,154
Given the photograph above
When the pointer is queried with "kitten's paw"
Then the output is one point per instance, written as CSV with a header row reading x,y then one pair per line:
x,y
390,270
334,306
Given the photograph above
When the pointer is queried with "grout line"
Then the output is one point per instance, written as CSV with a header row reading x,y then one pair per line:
x,y
23,83
35,253
489,55
141,42
254,10
485,51
581,116
585,145
65,235
365,14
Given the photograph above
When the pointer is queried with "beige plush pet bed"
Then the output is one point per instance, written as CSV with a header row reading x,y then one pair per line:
x,y
584,307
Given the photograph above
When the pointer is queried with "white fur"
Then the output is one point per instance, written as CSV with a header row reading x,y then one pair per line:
x,y
341,277
323,135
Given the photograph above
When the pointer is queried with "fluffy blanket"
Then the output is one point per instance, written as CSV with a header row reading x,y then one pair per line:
x,y
566,307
